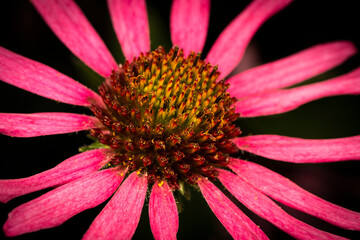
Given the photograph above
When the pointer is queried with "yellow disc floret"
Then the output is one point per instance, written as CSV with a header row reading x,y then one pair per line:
x,y
168,117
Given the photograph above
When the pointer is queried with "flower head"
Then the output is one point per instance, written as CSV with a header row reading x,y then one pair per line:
x,y
164,121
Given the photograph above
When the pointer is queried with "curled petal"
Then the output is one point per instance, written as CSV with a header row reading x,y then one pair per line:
x,y
285,191
189,22
129,18
62,203
291,70
263,206
236,222
163,214
298,150
38,124
69,170
230,46
40,79
120,217
70,25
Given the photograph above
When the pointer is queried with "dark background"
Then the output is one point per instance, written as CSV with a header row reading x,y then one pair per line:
x,y
301,25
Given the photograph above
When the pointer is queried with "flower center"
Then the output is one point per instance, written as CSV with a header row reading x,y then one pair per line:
x,y
167,117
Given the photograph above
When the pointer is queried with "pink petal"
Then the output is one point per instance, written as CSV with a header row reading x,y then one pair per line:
x,y
280,101
163,214
263,206
290,70
57,206
299,150
69,170
70,25
230,46
283,190
189,22
235,221
40,79
129,18
38,124
120,217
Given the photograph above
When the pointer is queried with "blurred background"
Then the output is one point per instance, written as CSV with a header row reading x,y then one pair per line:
x,y
301,25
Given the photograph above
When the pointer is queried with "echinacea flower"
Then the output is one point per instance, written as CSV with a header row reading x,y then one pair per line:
x,y
165,120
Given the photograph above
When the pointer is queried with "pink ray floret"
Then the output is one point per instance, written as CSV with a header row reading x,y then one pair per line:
x,y
129,19
280,101
120,217
69,170
62,203
298,150
290,70
40,79
230,46
236,222
163,214
263,206
70,25
189,21
283,190
39,124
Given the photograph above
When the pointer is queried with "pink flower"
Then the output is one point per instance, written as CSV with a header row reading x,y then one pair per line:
x,y
160,128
